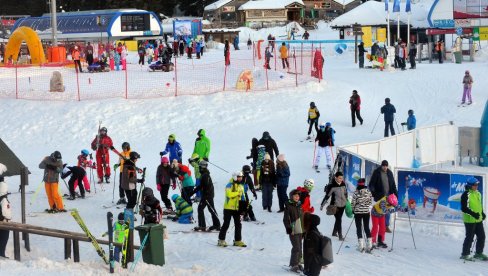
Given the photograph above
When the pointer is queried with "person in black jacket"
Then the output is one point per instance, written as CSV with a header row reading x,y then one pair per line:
x,y
412,54
207,189
382,183
388,110
164,180
312,251
292,219
248,185
77,174
361,52
267,179
323,142
150,209
270,145
254,156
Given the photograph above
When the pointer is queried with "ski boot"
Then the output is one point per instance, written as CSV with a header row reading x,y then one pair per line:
x,y
71,197
466,258
382,245
222,243
121,201
369,245
212,228
107,179
240,244
100,181
200,228
480,256
61,211
361,247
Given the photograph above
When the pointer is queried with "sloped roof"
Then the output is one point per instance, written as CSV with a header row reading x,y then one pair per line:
x,y
268,4
9,159
372,13
216,5
344,2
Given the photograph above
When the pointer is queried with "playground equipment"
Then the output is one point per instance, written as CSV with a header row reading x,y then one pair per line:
x,y
33,43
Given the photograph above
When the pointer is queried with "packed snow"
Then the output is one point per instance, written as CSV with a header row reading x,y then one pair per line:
x,y
34,129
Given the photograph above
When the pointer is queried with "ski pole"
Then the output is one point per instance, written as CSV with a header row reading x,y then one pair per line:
x,y
393,236
211,209
113,191
344,238
217,166
67,184
314,149
375,123
396,122
139,253
34,196
411,230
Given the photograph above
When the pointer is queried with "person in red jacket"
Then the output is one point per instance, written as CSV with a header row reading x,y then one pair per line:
x,y
355,102
102,143
305,191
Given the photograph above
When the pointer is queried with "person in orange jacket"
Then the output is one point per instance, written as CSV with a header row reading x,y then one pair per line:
x,y
284,56
76,59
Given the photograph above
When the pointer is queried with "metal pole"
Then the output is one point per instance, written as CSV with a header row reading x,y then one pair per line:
x,y
54,23
388,28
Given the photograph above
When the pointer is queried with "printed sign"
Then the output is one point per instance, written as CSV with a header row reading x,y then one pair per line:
x,y
381,34
367,36
352,170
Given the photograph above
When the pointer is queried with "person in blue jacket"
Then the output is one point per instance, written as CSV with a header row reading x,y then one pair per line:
x,y
411,121
173,148
388,110
236,42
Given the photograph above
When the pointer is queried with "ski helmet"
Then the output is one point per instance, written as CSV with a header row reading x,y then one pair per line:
x,y
328,124
165,159
172,137
174,197
56,155
85,152
236,175
147,192
312,104
203,164
134,155
308,184
472,181
246,169
266,135
120,216
392,200
103,130
125,146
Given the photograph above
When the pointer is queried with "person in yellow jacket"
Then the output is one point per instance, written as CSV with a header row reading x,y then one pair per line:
x,y
234,194
126,153
284,56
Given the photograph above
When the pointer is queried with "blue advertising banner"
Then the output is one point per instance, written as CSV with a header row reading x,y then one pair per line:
x,y
352,170
432,196
369,168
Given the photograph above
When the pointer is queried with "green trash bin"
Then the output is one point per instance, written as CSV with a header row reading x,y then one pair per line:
x,y
458,56
153,251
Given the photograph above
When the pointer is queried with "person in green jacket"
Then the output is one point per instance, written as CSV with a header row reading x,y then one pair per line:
x,y
119,227
234,192
184,211
202,145
473,217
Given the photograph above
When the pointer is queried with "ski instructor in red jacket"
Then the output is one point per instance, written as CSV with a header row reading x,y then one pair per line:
x,y
102,143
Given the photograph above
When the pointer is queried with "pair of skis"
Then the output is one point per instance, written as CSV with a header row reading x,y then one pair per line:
x,y
93,240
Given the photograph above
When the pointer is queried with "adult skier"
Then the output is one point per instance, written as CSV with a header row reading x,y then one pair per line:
x,y
388,110
206,188
313,119
53,165
355,105
173,148
102,143
202,145
163,181
269,144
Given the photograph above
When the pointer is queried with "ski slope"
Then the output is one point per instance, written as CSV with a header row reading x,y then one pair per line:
x,y
34,129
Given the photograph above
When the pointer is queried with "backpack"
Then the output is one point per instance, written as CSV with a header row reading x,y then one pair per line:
x,y
326,250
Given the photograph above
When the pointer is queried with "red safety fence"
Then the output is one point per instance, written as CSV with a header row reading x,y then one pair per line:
x,y
189,77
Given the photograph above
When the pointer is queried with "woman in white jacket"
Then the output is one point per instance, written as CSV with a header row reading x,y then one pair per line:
x,y
5,211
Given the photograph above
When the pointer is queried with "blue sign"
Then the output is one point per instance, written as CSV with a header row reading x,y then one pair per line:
x,y
352,170
369,168
444,23
459,31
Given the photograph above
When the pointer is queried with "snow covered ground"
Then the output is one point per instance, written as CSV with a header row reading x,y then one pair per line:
x,y
34,129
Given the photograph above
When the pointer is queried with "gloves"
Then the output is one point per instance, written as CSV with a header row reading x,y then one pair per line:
x,y
288,231
116,166
174,219
162,153
255,196
140,180
483,216
308,121
403,124
112,147
312,209
475,216
158,186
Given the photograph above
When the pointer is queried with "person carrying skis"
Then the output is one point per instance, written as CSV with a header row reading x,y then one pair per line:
x,y
77,175
206,188
150,209
126,155
173,148
234,194
184,175
202,145
411,122
282,180
361,203
267,58
5,211
313,119
163,181
389,115
267,181
284,56
473,217
355,104
337,192
312,247
292,219
183,210
53,165
305,191
102,143
84,163
129,179
467,83
269,144
248,184
382,207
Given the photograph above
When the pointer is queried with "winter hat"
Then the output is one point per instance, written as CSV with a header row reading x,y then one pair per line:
x,y
121,216
85,152
56,155
314,220
387,100
172,137
281,157
354,91
164,159
294,192
134,155
361,182
267,156
392,200
174,197
384,163
410,112
147,192
266,135
471,181
328,124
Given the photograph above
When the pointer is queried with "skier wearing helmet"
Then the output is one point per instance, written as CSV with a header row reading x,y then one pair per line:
x,y
234,194
129,180
102,143
202,145
173,148
126,150
313,119
53,166
305,191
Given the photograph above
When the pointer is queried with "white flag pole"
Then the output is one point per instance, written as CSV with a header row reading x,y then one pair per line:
x,y
388,28
408,30
398,26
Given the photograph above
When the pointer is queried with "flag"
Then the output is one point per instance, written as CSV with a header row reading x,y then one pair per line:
x,y
386,5
396,6
408,7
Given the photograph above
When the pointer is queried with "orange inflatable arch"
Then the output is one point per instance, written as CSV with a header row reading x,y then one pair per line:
x,y
33,43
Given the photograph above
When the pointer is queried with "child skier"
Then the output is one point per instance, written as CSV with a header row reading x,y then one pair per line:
x,y
411,122
329,131
207,199
194,162
84,163
184,175
248,185
254,156
322,142
267,58
282,179
183,209
119,227
5,211
312,247
267,181
305,191
77,175
150,209
234,193
164,181
313,119
129,179
386,205
361,202
292,219
126,150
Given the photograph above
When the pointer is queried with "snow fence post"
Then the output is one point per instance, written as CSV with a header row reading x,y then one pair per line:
x,y
296,73
301,59
267,82
275,55
311,58
126,85
176,79
225,75
78,82
16,83
253,54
